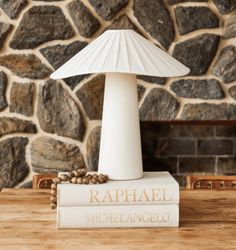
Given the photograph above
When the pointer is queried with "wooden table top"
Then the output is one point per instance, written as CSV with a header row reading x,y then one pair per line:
x,y
207,221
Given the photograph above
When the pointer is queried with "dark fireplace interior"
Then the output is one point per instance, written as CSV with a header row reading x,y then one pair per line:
x,y
184,148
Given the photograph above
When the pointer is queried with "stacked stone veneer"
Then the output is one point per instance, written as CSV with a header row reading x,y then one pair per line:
x,y
50,126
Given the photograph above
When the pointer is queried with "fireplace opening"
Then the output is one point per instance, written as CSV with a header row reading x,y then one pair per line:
x,y
189,148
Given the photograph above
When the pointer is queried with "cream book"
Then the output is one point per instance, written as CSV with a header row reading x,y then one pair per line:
x,y
118,216
153,188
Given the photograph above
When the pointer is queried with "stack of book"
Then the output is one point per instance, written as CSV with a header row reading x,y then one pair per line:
x,y
152,201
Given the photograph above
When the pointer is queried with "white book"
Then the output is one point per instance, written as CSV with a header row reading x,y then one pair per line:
x,y
118,216
153,188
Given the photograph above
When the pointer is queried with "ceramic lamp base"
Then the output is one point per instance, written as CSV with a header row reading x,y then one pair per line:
x,y
120,148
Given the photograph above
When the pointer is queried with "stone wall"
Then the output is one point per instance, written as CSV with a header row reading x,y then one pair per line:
x,y
50,126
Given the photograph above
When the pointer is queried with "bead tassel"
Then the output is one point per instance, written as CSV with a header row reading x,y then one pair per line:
x,y
78,176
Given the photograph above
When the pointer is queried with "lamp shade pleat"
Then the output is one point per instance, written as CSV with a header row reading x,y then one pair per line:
x,y
123,51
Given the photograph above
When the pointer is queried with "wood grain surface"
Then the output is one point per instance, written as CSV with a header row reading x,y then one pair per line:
x,y
207,221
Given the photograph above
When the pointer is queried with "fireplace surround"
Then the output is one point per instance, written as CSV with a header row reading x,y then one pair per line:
x,y
190,148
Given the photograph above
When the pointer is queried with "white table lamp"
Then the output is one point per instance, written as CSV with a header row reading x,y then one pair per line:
x,y
121,54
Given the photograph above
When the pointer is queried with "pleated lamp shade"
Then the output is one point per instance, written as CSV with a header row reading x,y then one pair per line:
x,y
123,51
121,54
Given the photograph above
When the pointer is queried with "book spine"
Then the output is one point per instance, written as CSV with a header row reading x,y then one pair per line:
x,y
118,216
107,194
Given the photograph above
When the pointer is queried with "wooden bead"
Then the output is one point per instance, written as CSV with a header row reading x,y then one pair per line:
x,y
70,175
70,180
106,177
94,181
53,192
85,180
80,180
95,176
83,171
76,177
53,205
64,177
74,180
53,199
57,180
89,176
101,179
76,173
54,186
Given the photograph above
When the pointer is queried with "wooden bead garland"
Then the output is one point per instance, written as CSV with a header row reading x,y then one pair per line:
x,y
78,176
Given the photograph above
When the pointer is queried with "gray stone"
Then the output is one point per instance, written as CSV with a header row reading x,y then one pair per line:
x,y
225,131
208,112
156,20
194,18
107,9
92,148
181,179
27,184
197,53
13,7
225,66
150,132
85,22
48,0
203,89
41,24
225,6
5,29
141,90
9,125
229,28
58,113
22,98
232,92
91,96
3,86
215,147
73,81
189,130
172,2
175,147
159,105
153,131
52,156
13,168
226,166
163,163
197,165
23,65
122,22
152,79
57,55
